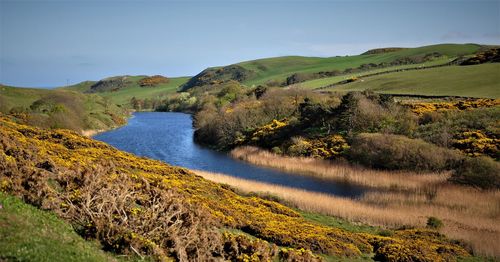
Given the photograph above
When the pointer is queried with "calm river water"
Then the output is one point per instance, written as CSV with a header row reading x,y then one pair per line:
x,y
169,137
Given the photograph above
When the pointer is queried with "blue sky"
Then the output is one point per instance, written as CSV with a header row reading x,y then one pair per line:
x,y
48,43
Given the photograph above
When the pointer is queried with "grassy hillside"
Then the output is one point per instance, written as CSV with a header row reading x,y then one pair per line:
x,y
61,108
132,88
29,234
169,212
323,82
472,81
281,67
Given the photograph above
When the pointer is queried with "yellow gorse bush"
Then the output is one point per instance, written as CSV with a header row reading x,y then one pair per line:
x,y
122,200
421,108
268,129
153,80
327,147
476,143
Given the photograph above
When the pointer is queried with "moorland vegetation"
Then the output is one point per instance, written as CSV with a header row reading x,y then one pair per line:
x,y
426,146
167,212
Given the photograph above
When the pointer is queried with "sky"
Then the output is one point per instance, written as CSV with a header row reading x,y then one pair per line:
x,y
52,43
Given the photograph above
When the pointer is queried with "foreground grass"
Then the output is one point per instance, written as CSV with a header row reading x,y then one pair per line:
x,y
29,234
470,81
468,214
130,203
339,223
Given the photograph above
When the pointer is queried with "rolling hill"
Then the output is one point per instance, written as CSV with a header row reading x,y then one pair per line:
x,y
120,92
269,70
469,81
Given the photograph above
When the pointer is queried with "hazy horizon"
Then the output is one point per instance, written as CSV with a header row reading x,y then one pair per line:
x,y
51,43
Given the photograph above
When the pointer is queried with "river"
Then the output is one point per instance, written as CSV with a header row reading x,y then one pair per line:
x,y
169,137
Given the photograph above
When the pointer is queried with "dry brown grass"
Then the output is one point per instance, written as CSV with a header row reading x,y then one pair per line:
x,y
341,172
468,214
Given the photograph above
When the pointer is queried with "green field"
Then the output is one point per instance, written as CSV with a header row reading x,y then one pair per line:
x,y
471,81
322,82
133,89
281,67
13,96
29,234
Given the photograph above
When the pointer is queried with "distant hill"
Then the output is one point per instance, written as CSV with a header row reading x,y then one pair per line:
x,y
383,50
121,89
275,71
218,75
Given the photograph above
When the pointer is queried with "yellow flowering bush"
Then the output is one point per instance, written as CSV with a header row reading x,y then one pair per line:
x,y
326,147
421,108
476,143
153,81
268,129
167,212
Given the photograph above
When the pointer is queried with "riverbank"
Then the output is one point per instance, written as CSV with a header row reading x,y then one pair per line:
x,y
468,214
93,132
341,172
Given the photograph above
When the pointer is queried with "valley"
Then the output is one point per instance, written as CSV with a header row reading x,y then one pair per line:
x,y
389,155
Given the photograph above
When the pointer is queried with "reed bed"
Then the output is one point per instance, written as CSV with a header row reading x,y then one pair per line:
x,y
341,172
468,214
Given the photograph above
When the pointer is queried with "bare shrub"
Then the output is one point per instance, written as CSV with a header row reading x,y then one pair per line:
x,y
399,152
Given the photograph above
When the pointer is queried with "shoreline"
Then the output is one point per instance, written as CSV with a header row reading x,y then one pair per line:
x,y
93,132
341,173
465,212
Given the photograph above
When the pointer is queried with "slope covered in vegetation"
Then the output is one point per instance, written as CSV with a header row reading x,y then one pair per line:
x,y
133,204
61,109
402,133
277,71
147,91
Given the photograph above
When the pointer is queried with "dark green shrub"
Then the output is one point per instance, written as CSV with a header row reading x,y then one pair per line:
x,y
386,233
399,152
482,172
276,150
434,222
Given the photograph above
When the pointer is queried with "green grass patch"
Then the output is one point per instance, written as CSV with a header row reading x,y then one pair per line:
x,y
322,82
470,81
338,223
13,96
30,234
281,67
